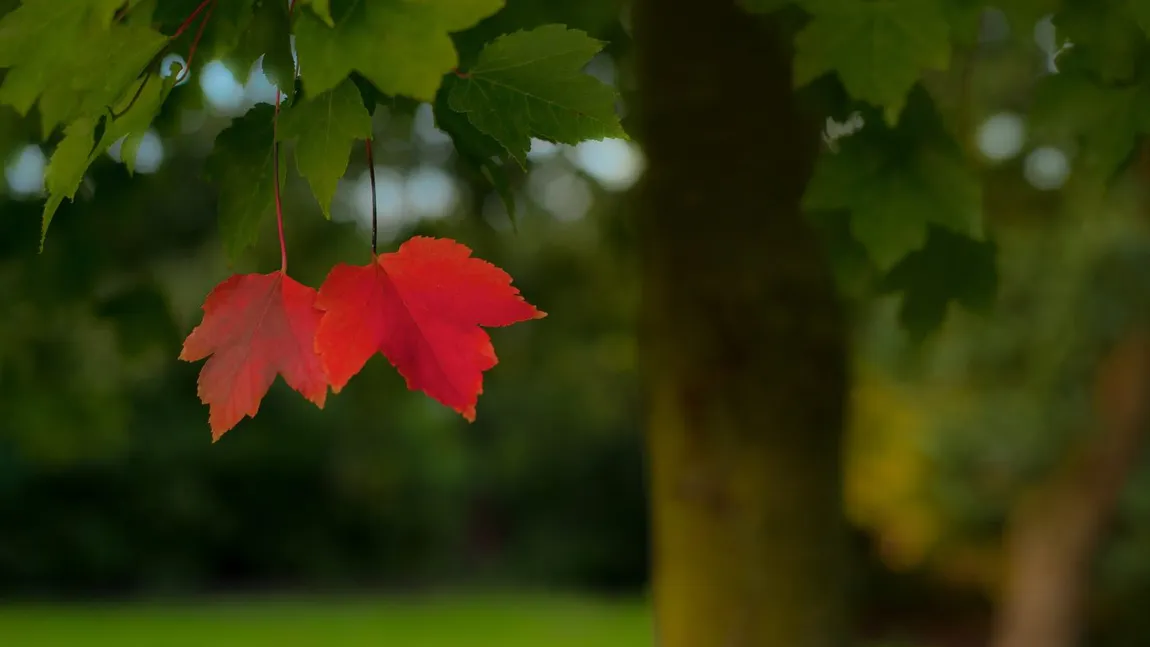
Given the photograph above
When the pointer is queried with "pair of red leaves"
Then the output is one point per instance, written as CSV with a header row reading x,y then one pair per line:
x,y
421,307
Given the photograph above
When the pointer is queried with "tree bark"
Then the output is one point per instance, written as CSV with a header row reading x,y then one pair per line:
x,y
1054,532
743,341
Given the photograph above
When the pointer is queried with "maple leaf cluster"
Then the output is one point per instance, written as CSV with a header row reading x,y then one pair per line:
x,y
422,307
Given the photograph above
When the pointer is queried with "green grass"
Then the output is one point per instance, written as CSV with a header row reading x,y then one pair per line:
x,y
475,621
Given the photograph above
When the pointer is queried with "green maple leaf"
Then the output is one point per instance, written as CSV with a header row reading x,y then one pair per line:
x,y
135,117
531,84
950,268
130,149
1104,121
66,168
878,48
35,44
325,128
373,98
322,9
852,267
896,183
79,148
35,26
402,47
73,64
892,206
479,151
57,105
113,64
241,164
105,10
268,34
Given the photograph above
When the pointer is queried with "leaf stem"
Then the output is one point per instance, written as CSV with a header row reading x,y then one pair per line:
x,y
276,181
211,4
135,97
276,165
122,12
191,17
374,208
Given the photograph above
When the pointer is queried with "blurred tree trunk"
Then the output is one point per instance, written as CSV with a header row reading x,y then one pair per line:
x,y
742,339
1055,531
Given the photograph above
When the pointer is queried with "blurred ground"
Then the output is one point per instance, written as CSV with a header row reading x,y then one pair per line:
x,y
332,621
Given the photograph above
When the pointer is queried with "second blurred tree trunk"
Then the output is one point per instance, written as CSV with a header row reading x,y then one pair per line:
x,y
742,337
1055,530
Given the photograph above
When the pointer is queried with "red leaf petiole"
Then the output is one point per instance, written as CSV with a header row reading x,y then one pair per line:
x,y
276,180
191,17
209,5
374,208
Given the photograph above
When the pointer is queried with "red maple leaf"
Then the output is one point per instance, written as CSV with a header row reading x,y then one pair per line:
x,y
422,307
255,326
